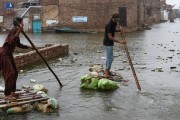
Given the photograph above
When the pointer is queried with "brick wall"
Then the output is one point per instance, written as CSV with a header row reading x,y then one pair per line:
x,y
14,2
49,12
48,53
141,13
8,14
154,6
49,2
156,11
97,11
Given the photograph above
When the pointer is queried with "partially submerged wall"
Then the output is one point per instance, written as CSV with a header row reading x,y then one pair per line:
x,y
50,52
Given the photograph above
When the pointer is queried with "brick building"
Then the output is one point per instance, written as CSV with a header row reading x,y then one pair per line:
x,y
153,10
96,12
50,12
93,14
7,14
49,2
141,12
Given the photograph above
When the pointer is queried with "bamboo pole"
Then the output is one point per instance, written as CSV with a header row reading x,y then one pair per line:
x,y
130,62
34,47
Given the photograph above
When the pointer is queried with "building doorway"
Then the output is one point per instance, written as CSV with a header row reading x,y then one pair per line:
x,y
123,16
37,26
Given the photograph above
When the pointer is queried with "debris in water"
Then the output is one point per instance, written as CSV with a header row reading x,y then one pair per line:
x,y
173,67
124,61
172,50
21,71
32,80
121,68
170,57
158,69
103,58
60,59
143,67
75,53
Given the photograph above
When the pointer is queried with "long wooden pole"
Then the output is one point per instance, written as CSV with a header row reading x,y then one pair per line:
x,y
41,57
130,62
34,47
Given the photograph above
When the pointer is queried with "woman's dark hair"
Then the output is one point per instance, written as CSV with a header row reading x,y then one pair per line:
x,y
17,21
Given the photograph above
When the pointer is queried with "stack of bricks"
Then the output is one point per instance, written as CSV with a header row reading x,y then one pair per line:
x,y
50,52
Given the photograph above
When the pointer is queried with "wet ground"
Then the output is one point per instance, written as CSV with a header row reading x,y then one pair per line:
x,y
155,48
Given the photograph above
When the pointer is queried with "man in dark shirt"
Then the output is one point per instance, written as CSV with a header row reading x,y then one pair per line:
x,y
7,64
109,39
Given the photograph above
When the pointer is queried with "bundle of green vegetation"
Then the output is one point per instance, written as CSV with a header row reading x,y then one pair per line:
x,y
91,82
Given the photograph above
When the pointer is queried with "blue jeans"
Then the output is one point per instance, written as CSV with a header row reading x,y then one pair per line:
x,y
109,56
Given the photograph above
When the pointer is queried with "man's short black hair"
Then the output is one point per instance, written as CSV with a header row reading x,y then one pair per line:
x,y
17,21
115,15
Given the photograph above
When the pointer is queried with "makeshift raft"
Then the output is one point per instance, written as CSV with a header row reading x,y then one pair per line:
x,y
23,98
27,101
95,79
101,83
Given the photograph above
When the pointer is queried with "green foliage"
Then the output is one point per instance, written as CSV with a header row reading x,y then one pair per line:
x,y
106,84
89,82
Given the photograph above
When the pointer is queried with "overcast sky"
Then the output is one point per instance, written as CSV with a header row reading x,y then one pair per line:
x,y
173,2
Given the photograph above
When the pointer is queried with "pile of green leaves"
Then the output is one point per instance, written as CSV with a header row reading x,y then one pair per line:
x,y
91,82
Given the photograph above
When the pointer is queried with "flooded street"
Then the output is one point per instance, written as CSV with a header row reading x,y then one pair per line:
x,y
151,49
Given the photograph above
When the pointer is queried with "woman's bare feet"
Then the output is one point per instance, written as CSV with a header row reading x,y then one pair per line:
x,y
15,95
9,97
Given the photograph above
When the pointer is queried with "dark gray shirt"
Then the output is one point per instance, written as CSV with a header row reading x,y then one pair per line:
x,y
110,28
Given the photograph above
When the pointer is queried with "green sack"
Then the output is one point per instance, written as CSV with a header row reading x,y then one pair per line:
x,y
105,84
89,82
93,84
85,78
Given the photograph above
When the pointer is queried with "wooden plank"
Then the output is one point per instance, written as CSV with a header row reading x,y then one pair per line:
x,y
21,99
20,91
23,93
22,102
25,96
